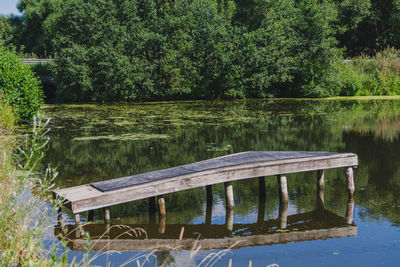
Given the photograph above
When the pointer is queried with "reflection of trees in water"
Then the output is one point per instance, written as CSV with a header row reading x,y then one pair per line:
x,y
201,130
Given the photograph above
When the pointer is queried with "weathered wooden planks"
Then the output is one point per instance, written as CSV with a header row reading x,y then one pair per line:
x,y
223,169
205,165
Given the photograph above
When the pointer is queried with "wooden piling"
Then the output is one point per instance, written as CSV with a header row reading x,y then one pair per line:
x,y
261,200
283,191
350,181
320,189
161,206
162,224
77,219
350,210
320,180
229,219
320,200
107,217
90,215
230,204
79,232
283,211
209,204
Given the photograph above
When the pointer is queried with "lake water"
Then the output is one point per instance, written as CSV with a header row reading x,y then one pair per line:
x,y
99,142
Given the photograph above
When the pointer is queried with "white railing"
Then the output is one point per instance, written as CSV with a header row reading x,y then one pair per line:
x,y
36,60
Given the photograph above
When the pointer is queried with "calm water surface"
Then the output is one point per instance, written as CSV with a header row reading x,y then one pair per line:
x,y
99,142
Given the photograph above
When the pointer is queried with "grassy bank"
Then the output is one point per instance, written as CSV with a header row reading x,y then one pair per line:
x,y
370,76
22,211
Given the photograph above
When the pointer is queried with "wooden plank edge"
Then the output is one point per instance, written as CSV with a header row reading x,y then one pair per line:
x,y
222,175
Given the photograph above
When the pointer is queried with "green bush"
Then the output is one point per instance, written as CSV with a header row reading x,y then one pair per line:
x,y
379,75
147,49
7,118
18,85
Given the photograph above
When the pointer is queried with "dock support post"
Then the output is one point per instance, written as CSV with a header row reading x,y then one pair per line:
x,y
161,226
283,192
90,215
350,181
230,204
152,210
320,180
107,215
209,204
261,200
349,210
77,219
320,189
283,210
79,231
229,219
161,206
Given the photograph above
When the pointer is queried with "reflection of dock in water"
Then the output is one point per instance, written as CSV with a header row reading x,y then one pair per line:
x,y
318,224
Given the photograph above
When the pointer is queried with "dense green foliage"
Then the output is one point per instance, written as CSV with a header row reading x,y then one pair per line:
x,y
137,49
18,85
379,75
149,49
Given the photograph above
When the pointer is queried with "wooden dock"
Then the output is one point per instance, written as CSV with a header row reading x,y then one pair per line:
x,y
317,224
206,173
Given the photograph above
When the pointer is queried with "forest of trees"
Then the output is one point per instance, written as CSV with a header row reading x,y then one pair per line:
x,y
109,50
